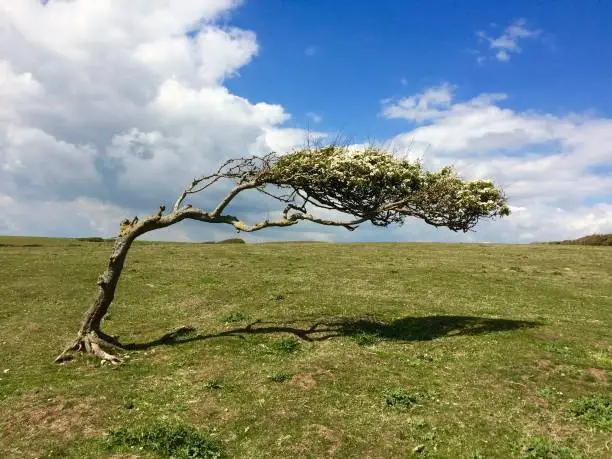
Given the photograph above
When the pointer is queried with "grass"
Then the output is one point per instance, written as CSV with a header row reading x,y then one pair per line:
x,y
175,440
285,346
401,399
487,351
280,377
595,410
542,448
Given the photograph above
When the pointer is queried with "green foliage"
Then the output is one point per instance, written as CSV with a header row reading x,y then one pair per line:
x,y
594,410
541,448
285,346
592,239
90,239
400,399
280,377
214,383
168,440
373,184
549,393
365,339
233,240
233,317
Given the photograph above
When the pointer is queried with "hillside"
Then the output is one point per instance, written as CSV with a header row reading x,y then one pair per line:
x,y
311,350
592,239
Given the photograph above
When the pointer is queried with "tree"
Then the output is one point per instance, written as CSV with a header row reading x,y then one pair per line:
x,y
369,184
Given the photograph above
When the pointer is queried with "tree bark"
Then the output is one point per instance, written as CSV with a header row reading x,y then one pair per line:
x,y
90,338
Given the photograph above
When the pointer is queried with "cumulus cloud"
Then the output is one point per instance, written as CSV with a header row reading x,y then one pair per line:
x,y
425,106
507,43
555,169
117,105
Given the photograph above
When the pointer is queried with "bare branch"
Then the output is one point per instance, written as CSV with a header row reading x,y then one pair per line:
x,y
241,226
350,225
230,196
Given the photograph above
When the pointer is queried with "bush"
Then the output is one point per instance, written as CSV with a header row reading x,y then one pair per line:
x,y
592,239
234,240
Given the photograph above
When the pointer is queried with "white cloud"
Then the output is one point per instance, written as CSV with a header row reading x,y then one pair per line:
x,y
425,106
78,217
550,166
120,104
508,42
315,118
311,51
39,160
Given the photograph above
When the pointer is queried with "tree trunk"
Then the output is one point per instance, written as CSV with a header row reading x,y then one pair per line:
x,y
90,338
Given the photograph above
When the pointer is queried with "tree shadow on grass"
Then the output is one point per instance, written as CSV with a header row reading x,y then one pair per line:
x,y
406,329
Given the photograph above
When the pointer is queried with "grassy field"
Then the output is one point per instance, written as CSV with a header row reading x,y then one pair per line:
x,y
311,350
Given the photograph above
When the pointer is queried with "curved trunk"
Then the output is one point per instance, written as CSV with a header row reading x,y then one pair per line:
x,y
90,338
107,283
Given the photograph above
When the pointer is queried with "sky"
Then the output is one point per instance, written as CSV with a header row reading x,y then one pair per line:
x,y
109,108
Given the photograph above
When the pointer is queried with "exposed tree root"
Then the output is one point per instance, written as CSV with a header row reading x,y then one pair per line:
x,y
94,343
99,344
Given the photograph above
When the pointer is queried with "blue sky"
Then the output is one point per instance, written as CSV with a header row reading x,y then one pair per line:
x,y
108,108
363,51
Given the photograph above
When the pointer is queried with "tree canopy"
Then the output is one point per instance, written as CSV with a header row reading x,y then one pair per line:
x,y
371,184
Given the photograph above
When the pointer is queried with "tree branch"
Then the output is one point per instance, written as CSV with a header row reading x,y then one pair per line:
x,y
351,225
230,196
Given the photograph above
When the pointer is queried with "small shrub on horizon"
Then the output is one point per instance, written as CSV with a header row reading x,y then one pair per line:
x,y
233,240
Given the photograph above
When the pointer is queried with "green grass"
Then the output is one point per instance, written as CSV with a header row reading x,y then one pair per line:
x,y
401,399
594,410
484,351
176,441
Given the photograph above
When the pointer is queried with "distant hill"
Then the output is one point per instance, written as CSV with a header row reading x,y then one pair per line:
x,y
593,239
233,240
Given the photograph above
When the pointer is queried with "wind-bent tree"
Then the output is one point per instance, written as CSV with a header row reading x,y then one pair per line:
x,y
369,184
